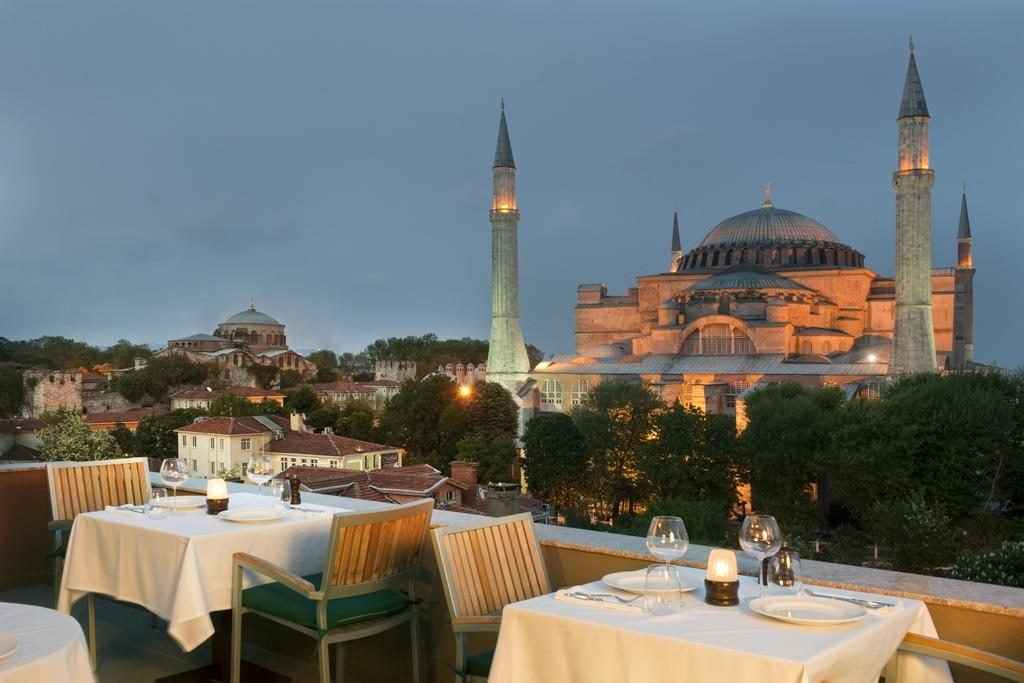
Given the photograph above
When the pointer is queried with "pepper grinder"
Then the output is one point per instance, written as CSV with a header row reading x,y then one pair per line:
x,y
296,495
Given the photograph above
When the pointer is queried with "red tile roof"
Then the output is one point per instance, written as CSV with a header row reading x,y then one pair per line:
x,y
324,444
244,392
340,387
232,425
410,481
132,415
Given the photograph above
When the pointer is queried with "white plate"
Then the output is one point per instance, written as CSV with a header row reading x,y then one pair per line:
x,y
180,502
8,645
252,514
633,582
799,609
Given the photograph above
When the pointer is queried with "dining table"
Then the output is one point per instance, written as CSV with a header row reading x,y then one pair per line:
x,y
47,646
561,637
179,566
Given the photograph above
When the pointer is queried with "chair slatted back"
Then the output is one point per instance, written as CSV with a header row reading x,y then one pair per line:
x,y
368,548
486,567
77,487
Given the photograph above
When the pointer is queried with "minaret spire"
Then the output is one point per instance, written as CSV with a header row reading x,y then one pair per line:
x,y
914,335
964,229
677,245
963,288
507,360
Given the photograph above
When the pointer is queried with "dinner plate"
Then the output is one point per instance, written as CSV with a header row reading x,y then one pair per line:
x,y
180,502
252,514
800,609
8,645
633,582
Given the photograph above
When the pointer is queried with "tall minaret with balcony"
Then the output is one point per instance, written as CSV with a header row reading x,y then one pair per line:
x,y
677,245
963,298
914,341
507,361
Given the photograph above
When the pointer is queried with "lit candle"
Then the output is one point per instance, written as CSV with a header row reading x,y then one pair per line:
x,y
216,489
722,565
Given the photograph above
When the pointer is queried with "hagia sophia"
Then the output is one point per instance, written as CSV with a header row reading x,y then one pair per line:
x,y
768,295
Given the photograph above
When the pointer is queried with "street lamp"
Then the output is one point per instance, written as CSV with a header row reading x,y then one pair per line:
x,y
465,391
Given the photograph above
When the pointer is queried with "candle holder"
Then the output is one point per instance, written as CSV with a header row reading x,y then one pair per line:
x,y
722,593
216,505
216,496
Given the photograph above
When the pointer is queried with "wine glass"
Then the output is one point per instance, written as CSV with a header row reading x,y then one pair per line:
x,y
760,537
277,489
667,540
174,473
154,508
784,571
260,470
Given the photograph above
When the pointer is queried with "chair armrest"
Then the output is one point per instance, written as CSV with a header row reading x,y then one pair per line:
x,y
964,654
489,622
60,525
270,570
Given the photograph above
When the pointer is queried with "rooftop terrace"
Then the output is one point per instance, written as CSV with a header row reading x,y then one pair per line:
x,y
133,645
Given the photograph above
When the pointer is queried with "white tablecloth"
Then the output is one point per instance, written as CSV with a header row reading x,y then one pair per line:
x,y
179,567
544,639
51,646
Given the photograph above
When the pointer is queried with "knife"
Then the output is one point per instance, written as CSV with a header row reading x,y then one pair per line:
x,y
871,604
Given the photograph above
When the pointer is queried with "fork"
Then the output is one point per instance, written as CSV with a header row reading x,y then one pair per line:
x,y
601,597
870,604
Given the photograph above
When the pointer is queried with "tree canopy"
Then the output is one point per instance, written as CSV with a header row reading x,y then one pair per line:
x,y
66,436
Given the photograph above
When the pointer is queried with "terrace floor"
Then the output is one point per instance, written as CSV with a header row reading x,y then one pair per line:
x,y
135,648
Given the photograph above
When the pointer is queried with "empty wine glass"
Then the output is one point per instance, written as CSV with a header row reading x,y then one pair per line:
x,y
667,540
277,491
174,473
154,507
260,470
760,537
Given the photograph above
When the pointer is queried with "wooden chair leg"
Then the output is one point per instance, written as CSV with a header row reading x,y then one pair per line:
x,y
58,573
460,658
339,663
891,672
414,635
91,603
324,649
236,625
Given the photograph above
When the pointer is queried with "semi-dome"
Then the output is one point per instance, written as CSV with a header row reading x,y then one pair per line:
x,y
768,225
745,279
250,316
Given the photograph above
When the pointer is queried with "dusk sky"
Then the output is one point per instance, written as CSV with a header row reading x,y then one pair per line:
x,y
163,163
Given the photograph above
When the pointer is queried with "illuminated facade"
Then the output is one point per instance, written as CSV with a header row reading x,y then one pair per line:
x,y
773,295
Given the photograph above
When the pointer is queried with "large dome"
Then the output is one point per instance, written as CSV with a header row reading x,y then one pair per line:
x,y
768,225
250,316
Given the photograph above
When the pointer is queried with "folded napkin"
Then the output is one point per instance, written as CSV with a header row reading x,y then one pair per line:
x,y
602,597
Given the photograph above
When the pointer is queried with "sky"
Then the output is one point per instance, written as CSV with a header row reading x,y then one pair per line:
x,y
162,164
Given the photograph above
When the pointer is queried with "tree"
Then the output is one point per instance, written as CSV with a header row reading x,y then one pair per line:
x,y
413,420
555,460
123,353
158,377
324,416
155,436
495,458
492,412
290,379
357,420
617,420
12,392
124,438
787,446
326,375
229,405
266,375
301,400
693,458
324,359
68,437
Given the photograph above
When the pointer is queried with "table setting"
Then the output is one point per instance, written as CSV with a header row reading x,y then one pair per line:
x,y
668,621
39,644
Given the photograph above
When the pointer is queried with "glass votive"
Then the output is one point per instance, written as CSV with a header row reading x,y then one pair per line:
x,y
721,582
216,496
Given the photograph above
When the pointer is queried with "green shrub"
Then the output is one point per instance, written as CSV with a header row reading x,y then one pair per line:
x,y
1003,566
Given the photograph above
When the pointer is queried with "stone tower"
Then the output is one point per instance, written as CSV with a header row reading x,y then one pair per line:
x,y
677,245
963,298
914,342
507,362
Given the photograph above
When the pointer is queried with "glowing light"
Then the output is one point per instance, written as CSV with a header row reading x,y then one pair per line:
x,y
721,565
465,391
872,358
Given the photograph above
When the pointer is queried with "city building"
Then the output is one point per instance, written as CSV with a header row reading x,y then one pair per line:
x,y
376,393
394,370
463,373
214,445
385,485
202,397
244,340
129,419
19,439
82,390
772,295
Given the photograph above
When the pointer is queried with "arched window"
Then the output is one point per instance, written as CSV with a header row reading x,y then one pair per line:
x,y
714,259
717,340
580,391
728,258
704,259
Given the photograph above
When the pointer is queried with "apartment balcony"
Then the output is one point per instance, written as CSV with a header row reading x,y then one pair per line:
x,y
133,645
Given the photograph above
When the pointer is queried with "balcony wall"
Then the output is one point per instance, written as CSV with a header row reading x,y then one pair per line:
x,y
980,615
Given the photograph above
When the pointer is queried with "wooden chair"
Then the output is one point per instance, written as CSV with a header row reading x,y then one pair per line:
x,y
371,557
77,487
484,568
1003,667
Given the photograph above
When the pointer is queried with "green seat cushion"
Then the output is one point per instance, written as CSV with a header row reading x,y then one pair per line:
x,y
284,603
480,665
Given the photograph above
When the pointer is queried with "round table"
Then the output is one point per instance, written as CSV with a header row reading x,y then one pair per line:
x,y
51,646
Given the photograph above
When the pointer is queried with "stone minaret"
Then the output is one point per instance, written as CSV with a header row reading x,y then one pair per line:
x,y
914,342
963,299
677,246
507,362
